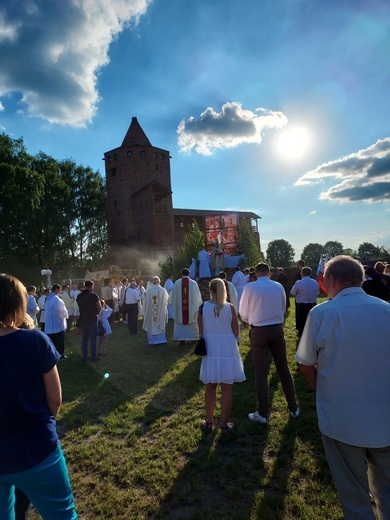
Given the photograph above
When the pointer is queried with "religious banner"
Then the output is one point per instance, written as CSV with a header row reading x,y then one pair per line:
x,y
222,230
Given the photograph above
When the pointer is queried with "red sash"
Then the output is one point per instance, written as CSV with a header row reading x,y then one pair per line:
x,y
227,291
185,296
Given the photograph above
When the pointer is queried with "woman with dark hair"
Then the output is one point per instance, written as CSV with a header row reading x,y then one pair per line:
x,y
31,458
222,365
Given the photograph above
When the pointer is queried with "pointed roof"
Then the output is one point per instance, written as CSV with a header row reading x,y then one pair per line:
x,y
135,135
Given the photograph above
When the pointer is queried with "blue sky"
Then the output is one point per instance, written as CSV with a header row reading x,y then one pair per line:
x,y
278,107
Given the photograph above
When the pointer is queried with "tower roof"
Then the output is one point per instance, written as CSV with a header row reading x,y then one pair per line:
x,y
135,135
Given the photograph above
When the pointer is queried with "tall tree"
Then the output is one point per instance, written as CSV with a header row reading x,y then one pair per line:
x,y
194,241
368,250
333,248
247,243
312,252
280,253
52,214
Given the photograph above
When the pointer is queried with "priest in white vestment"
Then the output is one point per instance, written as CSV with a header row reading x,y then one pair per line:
x,y
185,299
217,260
168,286
155,311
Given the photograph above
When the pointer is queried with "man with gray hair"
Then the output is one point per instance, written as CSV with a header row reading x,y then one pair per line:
x,y
344,355
155,311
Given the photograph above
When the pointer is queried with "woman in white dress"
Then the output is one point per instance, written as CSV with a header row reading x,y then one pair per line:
x,y
222,365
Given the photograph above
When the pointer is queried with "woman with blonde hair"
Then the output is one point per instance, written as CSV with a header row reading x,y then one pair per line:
x,y
31,458
218,324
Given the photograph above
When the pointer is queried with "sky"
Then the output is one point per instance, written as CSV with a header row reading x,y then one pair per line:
x,y
277,107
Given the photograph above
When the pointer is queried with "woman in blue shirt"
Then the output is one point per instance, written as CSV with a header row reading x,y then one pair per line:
x,y
31,458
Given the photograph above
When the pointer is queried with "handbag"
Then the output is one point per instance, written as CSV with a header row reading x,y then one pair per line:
x,y
200,347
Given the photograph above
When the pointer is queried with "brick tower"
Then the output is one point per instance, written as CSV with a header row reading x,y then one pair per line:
x,y
139,196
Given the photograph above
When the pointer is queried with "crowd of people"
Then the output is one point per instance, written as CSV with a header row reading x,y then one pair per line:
x,y
342,353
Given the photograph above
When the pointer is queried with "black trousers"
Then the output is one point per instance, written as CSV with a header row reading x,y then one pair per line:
x,y
132,317
301,312
58,340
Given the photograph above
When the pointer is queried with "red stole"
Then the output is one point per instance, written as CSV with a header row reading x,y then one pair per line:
x,y
227,291
185,294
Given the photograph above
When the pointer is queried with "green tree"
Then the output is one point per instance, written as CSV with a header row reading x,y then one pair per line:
x,y
312,252
333,248
350,252
247,243
368,250
280,253
52,214
194,241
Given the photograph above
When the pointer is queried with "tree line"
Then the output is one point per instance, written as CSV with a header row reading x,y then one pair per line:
x,y
281,253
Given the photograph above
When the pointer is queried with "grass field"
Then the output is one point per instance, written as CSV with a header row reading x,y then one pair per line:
x,y
129,426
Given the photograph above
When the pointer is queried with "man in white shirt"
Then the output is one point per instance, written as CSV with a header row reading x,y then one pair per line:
x,y
32,306
344,355
132,298
185,299
262,305
155,311
305,291
55,319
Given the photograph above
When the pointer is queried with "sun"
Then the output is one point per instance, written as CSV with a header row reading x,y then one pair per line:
x,y
293,142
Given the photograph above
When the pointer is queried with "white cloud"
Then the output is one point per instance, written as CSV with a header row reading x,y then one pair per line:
x,y
360,176
226,129
52,52
1,106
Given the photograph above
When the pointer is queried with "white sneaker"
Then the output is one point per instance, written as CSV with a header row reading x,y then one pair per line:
x,y
295,414
256,417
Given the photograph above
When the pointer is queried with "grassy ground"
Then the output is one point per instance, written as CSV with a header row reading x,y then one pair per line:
x,y
130,430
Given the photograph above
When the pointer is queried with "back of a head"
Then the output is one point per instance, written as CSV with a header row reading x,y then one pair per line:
x,y
306,271
156,280
185,272
222,275
345,270
217,287
31,288
262,269
133,285
55,287
88,284
13,301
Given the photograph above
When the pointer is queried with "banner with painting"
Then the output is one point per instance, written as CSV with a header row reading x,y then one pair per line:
x,y
222,229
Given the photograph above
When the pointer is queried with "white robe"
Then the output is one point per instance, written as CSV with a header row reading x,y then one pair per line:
x,y
204,264
239,280
190,331
168,286
155,312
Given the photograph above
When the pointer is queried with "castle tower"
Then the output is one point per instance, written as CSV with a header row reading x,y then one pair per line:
x,y
139,196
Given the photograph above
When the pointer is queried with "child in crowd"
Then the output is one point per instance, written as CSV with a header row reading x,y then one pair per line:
x,y
104,313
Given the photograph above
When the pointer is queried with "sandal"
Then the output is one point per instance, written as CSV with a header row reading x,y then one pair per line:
x,y
225,430
206,426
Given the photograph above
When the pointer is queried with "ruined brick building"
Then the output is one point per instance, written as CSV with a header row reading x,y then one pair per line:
x,y
139,202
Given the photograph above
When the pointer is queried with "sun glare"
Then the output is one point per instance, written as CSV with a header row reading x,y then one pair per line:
x,y
293,142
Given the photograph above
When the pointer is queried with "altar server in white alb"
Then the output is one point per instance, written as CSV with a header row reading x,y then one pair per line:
x,y
168,286
155,311
185,299
204,264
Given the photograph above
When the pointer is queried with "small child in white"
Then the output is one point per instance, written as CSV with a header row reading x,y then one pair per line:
x,y
104,313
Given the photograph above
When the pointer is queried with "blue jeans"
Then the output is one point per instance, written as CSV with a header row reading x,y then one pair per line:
x,y
89,331
46,485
